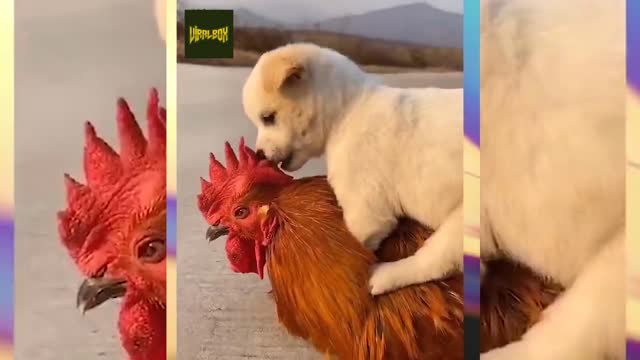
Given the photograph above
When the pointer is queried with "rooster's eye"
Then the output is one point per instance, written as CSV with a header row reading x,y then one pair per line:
x,y
152,251
241,213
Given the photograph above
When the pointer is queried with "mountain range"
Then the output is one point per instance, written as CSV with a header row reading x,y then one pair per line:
x,y
417,23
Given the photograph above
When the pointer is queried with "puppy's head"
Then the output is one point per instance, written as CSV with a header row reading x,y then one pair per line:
x,y
287,97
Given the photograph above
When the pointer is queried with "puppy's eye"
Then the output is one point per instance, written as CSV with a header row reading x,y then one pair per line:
x,y
269,119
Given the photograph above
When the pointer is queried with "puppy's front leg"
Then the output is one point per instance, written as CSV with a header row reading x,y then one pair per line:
x,y
367,224
587,322
439,255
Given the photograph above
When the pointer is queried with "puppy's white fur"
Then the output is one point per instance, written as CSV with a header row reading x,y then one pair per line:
x,y
553,165
390,152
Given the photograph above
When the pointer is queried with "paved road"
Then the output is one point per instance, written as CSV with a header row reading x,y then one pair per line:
x,y
222,315
73,58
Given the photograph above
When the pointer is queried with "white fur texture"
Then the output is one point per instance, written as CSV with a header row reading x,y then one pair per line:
x,y
553,165
390,152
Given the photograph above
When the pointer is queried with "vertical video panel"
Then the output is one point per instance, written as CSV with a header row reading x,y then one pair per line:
x,y
633,179
274,259
6,181
90,181
471,168
552,189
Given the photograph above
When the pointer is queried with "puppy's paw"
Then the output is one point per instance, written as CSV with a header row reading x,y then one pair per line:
x,y
384,278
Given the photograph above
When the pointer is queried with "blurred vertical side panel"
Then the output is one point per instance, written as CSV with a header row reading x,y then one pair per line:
x,y
166,14
6,179
74,59
633,178
548,138
472,178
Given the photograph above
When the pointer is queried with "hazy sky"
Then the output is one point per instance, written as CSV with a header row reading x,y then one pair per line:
x,y
309,10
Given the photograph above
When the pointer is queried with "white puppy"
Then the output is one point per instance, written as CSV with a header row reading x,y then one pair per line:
x,y
552,100
390,152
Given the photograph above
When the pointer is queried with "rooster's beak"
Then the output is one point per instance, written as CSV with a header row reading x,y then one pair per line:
x,y
214,232
95,291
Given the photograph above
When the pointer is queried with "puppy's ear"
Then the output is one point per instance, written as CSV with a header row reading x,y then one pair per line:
x,y
284,73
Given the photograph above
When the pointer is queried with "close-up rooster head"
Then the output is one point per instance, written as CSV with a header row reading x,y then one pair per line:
x,y
235,201
114,226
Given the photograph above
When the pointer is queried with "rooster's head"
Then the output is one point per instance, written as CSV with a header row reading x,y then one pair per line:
x,y
233,204
114,225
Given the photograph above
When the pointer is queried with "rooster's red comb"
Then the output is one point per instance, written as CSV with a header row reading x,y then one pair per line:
x,y
113,180
237,177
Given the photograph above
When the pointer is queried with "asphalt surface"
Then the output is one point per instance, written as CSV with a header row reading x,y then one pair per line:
x,y
223,315
73,58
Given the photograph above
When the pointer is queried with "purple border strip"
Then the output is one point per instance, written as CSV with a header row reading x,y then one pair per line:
x,y
633,80
471,80
171,224
471,284
6,278
472,132
633,349
633,44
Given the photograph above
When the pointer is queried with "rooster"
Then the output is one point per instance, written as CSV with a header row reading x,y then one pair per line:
x,y
114,228
318,271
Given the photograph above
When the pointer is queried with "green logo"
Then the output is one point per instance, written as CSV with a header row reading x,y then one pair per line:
x,y
208,34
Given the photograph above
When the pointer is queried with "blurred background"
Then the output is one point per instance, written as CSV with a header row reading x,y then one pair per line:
x,y
381,35
73,59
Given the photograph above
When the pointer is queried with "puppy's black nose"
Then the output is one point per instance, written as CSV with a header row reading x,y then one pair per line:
x,y
260,155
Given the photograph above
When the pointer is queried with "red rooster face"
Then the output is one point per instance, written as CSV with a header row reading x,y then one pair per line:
x,y
114,226
227,204
241,223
